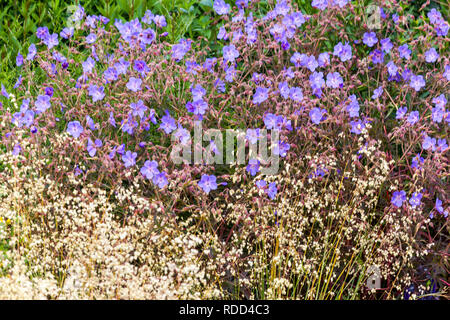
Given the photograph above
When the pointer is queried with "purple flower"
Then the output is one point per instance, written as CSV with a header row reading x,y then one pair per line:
x,y
414,201
377,56
357,126
298,18
311,63
230,53
239,17
296,94
42,103
417,161
4,92
167,123
134,84
406,74
19,59
260,95
446,73
111,119
253,135
341,3
18,83
198,107
110,74
24,117
192,67
141,67
79,14
298,59
438,206
413,117
260,184
208,183
138,109
97,93
241,4
281,149
149,169
386,45
183,135
442,145
395,18
353,107
440,101
16,150
222,35
213,147
401,112
129,159
441,28
92,148
103,19
78,171
230,73
160,21
121,66
324,58
272,121
220,85
75,129
221,7
392,68
284,89
272,190
237,35
370,39
91,21
434,16
180,49
417,82
129,125
160,180
334,80
316,81
431,55
88,65
91,38
42,33
257,77
51,41
437,114
90,123
151,116
49,91
31,51
316,114
377,92
404,52
209,64
398,197
253,166
429,143
147,37
67,33
343,51
319,4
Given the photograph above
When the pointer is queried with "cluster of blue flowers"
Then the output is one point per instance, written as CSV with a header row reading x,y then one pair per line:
x,y
144,32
